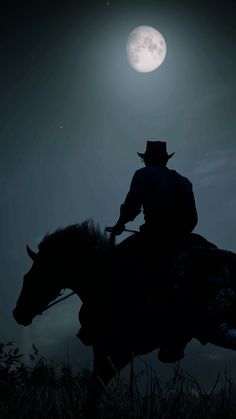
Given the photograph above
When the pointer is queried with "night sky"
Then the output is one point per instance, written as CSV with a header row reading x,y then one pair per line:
x,y
73,115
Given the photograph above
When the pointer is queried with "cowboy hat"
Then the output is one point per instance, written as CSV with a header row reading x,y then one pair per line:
x,y
156,149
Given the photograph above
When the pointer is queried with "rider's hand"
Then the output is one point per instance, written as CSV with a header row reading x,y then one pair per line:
x,y
118,229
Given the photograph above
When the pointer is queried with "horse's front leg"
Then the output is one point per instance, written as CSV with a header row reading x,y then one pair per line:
x,y
106,364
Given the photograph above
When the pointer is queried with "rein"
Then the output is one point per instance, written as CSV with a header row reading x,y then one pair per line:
x,y
58,301
131,231
108,229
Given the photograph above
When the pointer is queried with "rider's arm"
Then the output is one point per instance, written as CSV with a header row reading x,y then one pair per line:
x,y
133,201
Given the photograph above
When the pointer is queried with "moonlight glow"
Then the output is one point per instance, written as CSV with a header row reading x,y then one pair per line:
x,y
146,49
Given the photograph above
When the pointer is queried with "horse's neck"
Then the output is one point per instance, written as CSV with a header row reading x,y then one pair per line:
x,y
79,273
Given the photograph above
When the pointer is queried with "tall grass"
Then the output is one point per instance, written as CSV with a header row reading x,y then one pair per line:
x,y
39,389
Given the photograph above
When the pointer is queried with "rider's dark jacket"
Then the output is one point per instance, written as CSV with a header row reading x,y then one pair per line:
x,y
166,198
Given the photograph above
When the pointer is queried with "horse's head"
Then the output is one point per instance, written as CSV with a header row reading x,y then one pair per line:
x,y
61,257
40,286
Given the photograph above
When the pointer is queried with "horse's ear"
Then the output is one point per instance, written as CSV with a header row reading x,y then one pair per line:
x,y
31,253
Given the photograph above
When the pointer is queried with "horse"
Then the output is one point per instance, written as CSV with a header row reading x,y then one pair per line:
x,y
126,309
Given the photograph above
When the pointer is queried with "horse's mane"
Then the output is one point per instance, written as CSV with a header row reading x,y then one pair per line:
x,y
86,236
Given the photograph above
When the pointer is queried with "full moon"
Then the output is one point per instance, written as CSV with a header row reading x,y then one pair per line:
x,y
146,49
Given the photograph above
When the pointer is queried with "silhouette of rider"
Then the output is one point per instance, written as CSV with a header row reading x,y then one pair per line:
x,y
169,209
170,215
165,196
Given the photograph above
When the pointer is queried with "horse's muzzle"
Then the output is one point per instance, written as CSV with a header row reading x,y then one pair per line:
x,y
23,321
